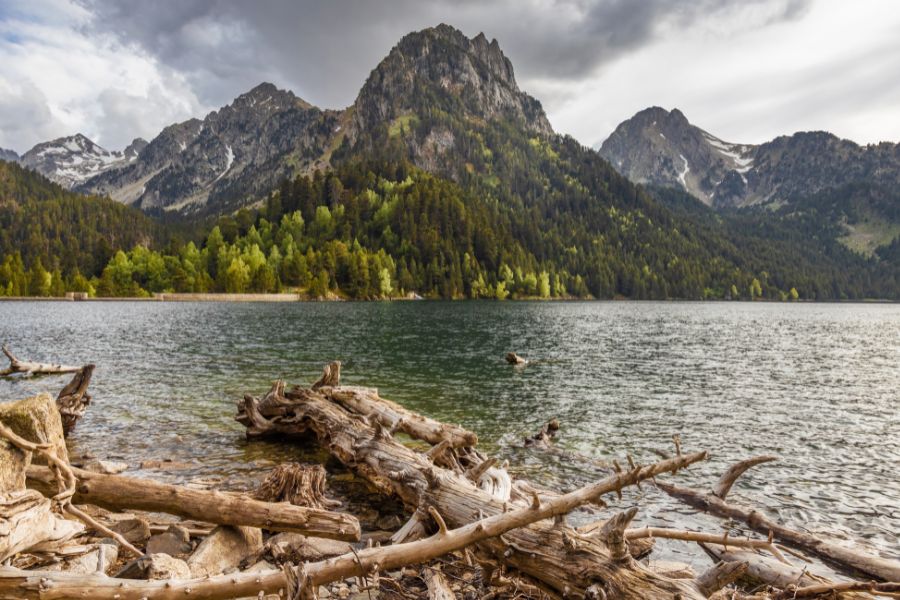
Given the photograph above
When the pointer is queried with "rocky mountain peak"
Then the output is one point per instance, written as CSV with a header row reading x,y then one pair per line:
x,y
661,147
71,160
267,98
440,67
135,148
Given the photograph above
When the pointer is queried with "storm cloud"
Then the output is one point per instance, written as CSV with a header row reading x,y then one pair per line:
x,y
591,62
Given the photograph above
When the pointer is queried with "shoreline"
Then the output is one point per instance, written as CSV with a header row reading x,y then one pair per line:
x,y
296,297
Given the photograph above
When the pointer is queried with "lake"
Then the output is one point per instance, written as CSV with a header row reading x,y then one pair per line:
x,y
816,384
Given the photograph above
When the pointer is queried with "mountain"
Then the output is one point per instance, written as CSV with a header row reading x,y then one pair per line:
x,y
456,83
231,157
8,155
71,160
235,155
834,184
661,147
444,179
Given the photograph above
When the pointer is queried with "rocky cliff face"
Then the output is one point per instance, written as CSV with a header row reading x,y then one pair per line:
x,y
661,147
440,67
233,155
72,160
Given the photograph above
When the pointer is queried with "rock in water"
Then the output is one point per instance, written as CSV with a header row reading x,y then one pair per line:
x,y
514,359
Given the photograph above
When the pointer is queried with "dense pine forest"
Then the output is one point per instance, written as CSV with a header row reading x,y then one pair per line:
x,y
389,230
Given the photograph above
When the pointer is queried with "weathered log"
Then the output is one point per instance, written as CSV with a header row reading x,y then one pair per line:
x,y
366,401
722,574
551,553
438,588
723,540
27,520
117,492
44,585
61,472
764,571
830,590
714,502
30,368
73,399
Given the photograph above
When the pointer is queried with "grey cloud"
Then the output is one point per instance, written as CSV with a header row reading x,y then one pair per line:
x,y
25,117
324,50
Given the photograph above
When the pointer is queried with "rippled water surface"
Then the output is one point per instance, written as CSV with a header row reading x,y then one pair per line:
x,y
816,384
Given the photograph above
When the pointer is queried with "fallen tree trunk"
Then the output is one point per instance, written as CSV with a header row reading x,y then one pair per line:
x,y
763,571
30,368
552,553
366,401
73,399
714,502
127,493
16,584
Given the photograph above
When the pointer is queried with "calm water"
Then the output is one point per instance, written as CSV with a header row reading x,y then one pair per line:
x,y
818,385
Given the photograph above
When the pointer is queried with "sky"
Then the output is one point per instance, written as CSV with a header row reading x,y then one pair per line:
x,y
745,70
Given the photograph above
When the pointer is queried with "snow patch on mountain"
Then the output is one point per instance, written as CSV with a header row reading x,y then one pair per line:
x,y
682,176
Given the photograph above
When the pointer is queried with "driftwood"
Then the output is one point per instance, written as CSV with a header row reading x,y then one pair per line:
x,y
302,580
366,401
714,502
545,436
438,588
514,359
73,399
303,485
127,493
30,368
27,520
763,571
551,553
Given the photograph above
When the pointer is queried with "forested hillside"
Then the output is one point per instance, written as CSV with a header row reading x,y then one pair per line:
x,y
52,240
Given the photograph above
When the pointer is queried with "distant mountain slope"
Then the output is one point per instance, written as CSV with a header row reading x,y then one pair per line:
x,y
234,155
662,147
843,187
71,160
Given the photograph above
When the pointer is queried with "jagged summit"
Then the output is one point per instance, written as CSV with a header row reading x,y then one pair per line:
x,y
73,159
267,97
440,67
661,147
